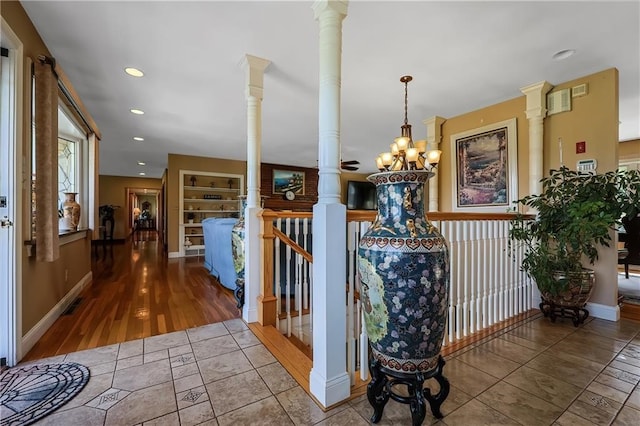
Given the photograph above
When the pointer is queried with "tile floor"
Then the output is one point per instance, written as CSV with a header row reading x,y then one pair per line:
x,y
533,373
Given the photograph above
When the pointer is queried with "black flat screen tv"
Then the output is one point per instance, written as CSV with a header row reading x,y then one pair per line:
x,y
361,196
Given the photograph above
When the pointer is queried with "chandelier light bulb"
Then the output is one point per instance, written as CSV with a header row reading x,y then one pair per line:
x,y
387,158
402,143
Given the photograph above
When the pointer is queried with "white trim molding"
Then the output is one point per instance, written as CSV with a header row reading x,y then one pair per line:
x,y
605,312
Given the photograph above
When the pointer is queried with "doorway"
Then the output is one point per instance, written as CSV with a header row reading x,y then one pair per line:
x,y
10,251
145,209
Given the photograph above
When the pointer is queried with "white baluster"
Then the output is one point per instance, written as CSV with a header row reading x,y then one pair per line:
x,y
311,305
502,274
288,278
305,234
464,261
458,279
485,274
493,293
513,310
299,269
277,282
443,227
473,271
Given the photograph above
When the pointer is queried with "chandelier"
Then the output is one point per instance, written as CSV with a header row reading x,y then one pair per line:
x,y
405,153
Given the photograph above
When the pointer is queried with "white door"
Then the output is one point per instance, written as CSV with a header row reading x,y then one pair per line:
x,y
10,68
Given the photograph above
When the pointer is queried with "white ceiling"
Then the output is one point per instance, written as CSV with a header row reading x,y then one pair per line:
x,y
462,55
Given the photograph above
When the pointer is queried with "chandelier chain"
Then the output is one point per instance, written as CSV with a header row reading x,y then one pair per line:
x,y
406,83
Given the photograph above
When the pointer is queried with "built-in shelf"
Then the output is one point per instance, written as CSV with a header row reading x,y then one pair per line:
x,y
218,197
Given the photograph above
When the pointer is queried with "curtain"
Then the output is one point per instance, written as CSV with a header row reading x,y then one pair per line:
x,y
46,188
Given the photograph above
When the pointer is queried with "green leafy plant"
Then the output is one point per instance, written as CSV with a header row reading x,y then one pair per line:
x,y
575,215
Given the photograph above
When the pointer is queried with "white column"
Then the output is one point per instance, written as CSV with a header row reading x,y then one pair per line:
x,y
328,380
536,111
254,68
434,138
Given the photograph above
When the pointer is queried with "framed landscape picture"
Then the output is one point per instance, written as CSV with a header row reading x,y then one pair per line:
x,y
485,164
288,180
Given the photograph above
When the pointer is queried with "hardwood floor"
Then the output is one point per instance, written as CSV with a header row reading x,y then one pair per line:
x,y
136,292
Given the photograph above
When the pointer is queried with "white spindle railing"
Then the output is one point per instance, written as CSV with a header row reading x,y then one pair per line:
x,y
292,279
486,285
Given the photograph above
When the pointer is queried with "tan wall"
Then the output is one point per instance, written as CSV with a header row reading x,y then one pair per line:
x,y
179,162
43,283
514,108
592,119
629,150
113,190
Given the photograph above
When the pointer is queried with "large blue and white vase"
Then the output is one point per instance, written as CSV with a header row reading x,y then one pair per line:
x,y
403,262
237,250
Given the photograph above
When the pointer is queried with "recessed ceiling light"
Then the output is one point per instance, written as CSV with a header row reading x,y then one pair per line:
x,y
563,54
137,111
141,163
142,173
138,138
134,72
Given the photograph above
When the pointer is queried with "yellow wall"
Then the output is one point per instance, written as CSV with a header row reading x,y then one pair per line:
x,y
514,108
593,119
113,190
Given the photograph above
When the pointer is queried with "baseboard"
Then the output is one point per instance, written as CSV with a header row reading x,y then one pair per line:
x,y
329,392
605,312
173,254
38,330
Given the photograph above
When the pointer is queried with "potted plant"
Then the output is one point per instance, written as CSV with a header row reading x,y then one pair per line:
x,y
191,216
575,215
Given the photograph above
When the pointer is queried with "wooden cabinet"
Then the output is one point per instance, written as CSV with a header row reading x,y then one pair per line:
x,y
204,195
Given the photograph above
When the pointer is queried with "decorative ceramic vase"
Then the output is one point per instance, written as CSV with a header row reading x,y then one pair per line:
x,y
403,262
237,248
70,212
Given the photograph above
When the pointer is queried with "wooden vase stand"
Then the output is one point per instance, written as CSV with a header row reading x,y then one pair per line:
x,y
576,313
380,389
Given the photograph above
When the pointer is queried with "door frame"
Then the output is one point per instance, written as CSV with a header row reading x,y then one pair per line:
x,y
11,276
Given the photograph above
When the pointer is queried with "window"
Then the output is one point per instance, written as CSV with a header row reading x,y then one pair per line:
x,y
72,161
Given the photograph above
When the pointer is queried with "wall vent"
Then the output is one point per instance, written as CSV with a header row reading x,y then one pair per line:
x,y
579,90
559,101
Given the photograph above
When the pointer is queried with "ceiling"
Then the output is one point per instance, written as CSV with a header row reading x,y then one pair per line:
x,y
463,56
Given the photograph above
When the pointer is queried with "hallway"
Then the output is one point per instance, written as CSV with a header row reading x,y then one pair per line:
x,y
136,293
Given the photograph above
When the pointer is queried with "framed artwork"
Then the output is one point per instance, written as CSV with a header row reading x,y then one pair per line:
x,y
288,180
485,164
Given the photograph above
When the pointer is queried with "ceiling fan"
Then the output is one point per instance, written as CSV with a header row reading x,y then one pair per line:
x,y
351,165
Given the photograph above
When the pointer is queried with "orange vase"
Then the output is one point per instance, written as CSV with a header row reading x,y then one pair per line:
x,y
71,211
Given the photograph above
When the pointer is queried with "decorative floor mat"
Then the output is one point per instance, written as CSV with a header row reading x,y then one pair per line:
x,y
31,392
